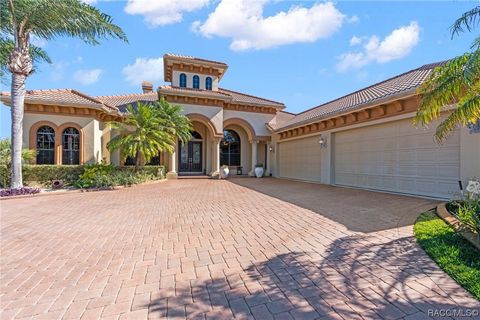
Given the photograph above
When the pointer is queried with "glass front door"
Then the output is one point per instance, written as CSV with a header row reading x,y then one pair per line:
x,y
191,157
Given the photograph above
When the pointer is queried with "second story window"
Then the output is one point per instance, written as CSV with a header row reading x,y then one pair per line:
x,y
196,82
183,80
208,83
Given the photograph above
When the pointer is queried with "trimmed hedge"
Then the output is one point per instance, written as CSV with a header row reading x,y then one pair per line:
x,y
46,174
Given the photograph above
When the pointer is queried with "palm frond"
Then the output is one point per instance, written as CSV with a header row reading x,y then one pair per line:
x,y
52,19
466,112
467,22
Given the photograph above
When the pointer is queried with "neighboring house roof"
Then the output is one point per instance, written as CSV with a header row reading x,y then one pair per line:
x,y
403,84
68,97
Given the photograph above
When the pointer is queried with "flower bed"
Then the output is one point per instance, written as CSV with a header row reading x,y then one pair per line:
x,y
464,214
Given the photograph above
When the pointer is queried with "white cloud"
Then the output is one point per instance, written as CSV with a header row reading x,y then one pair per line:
x,y
396,45
86,77
355,41
163,12
243,22
144,69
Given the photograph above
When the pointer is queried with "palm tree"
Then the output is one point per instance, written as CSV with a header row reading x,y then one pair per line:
x,y
174,121
45,19
454,86
148,129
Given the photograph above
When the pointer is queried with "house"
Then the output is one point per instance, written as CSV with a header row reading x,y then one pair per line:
x,y
364,139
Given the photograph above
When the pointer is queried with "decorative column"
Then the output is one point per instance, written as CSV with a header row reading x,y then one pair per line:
x,y
267,161
172,165
216,157
254,157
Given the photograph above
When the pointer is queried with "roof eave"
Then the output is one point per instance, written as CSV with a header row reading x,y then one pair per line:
x,y
400,95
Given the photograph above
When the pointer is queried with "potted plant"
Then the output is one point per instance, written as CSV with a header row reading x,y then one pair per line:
x,y
224,171
259,170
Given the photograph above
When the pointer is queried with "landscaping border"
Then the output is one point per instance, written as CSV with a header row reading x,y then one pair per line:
x,y
63,192
450,219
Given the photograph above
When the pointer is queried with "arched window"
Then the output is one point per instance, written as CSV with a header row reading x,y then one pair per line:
x,y
196,135
45,145
230,149
183,80
196,82
71,146
208,83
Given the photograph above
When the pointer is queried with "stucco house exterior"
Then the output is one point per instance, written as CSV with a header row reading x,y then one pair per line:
x,y
364,139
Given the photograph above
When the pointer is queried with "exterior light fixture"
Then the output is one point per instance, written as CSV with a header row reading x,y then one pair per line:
x,y
322,142
271,148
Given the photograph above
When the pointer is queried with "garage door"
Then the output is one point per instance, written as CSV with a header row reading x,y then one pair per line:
x,y
397,157
300,159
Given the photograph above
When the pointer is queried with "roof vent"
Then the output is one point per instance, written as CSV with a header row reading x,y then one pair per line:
x,y
147,87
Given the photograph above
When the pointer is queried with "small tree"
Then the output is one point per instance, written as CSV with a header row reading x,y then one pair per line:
x,y
147,129
456,83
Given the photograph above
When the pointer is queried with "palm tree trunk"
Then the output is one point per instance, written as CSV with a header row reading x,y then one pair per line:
x,y
18,97
137,160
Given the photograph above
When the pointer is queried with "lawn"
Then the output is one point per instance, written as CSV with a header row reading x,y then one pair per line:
x,y
455,255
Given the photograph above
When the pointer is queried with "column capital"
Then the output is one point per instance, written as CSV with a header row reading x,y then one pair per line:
x,y
253,141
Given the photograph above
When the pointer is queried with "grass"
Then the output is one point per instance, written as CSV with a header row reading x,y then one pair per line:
x,y
455,255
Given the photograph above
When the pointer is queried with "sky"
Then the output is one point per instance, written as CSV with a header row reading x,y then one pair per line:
x,y
301,53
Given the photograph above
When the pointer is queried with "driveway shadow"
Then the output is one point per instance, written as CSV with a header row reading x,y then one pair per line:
x,y
358,210
356,278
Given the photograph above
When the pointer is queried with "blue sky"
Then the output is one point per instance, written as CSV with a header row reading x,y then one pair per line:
x,y
302,53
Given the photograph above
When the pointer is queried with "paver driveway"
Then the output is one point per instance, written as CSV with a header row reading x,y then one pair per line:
x,y
219,249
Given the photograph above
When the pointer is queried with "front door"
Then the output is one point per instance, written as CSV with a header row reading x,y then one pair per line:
x,y
191,157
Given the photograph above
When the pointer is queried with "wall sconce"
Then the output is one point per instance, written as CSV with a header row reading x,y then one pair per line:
x,y
271,148
322,142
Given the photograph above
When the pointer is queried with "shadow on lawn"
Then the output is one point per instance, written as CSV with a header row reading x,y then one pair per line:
x,y
358,210
353,278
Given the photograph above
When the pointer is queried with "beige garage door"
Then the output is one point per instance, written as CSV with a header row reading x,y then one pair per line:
x,y
300,159
397,157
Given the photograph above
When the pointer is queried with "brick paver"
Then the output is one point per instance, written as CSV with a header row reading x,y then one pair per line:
x,y
206,249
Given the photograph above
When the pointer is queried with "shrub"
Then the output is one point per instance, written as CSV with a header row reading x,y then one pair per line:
x,y
46,174
467,209
107,176
18,191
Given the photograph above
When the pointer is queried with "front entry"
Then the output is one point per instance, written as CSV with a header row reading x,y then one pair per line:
x,y
190,159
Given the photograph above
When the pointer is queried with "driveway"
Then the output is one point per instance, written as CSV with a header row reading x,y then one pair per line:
x,y
242,248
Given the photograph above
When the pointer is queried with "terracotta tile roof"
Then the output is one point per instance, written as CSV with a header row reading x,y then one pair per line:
x,y
193,92
404,83
239,97
172,55
68,97
120,100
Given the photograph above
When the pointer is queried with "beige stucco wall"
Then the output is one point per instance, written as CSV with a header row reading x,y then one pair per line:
x,y
92,130
176,79
215,114
256,120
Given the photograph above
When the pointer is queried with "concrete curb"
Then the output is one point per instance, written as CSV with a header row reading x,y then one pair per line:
x,y
446,216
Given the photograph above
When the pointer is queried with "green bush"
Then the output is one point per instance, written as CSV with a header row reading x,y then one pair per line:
x,y
96,175
46,174
107,176
4,177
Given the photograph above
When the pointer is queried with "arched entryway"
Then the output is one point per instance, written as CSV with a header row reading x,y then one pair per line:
x,y
190,159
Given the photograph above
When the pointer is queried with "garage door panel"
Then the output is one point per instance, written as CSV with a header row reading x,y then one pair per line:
x,y
300,159
397,157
